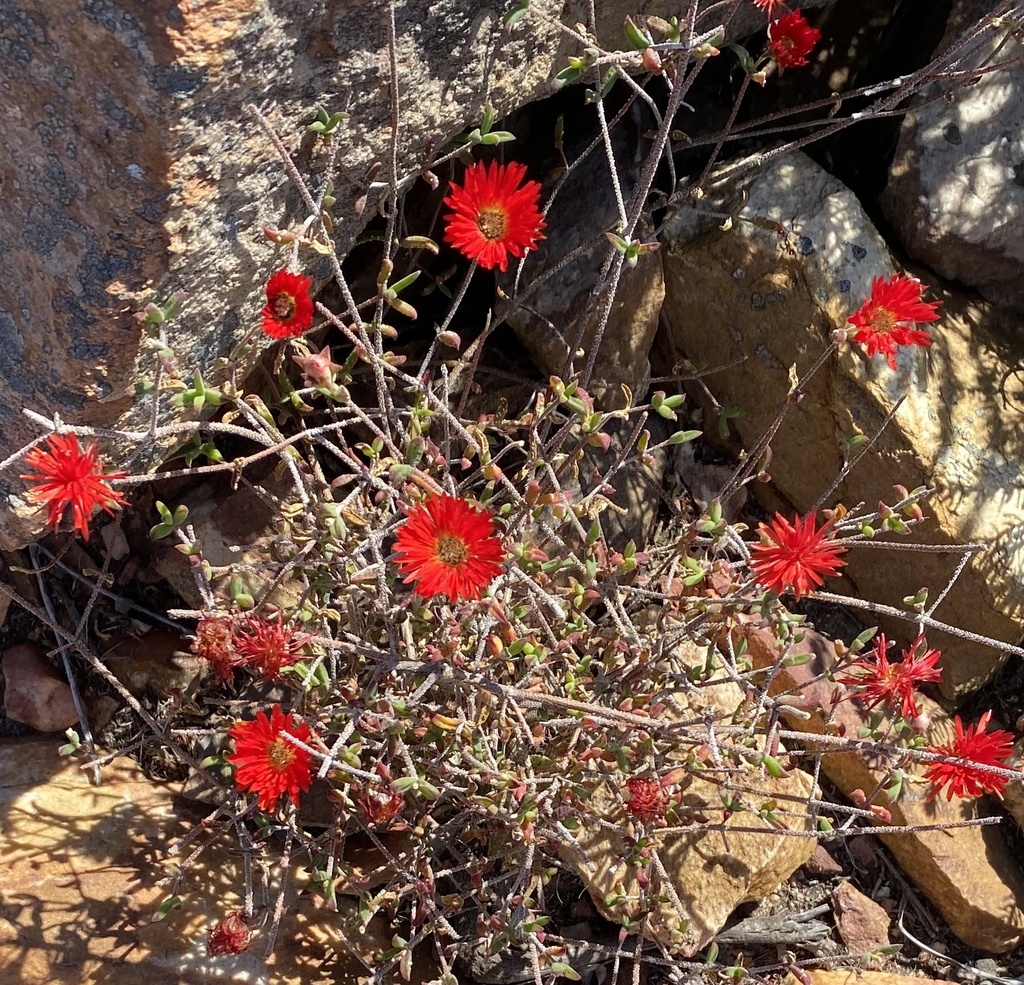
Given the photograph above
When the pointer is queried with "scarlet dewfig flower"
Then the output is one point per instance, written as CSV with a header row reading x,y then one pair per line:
x,y
448,547
879,320
231,936
894,684
289,308
492,216
791,39
268,764
71,476
267,646
213,644
645,799
768,5
796,556
963,779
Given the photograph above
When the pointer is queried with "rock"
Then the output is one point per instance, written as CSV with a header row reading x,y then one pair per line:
x,y
158,663
34,693
819,976
779,299
709,873
566,307
238,529
862,923
134,171
955,195
968,873
821,863
80,887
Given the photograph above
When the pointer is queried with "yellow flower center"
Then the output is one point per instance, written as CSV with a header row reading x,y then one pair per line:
x,y
884,320
492,221
451,550
283,306
280,753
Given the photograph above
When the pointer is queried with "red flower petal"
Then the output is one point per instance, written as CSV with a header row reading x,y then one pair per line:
x,y
448,547
289,308
71,476
267,764
795,556
492,216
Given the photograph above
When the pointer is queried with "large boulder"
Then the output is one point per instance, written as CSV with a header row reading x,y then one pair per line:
x,y
751,303
956,187
131,169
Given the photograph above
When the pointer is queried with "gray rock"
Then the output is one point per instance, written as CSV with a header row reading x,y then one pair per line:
x,y
756,303
956,187
130,169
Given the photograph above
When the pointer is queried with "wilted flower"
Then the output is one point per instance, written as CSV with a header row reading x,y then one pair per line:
x,y
266,645
645,799
213,644
894,684
231,936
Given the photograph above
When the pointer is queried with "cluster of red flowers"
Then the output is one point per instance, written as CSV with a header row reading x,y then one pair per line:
x,y
894,684
69,475
881,319
795,557
265,645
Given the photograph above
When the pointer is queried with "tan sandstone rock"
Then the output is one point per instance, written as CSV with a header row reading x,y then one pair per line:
x,y
862,923
708,873
758,303
968,873
81,867
820,976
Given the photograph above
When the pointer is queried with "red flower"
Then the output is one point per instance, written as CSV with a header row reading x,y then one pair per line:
x,y
267,646
795,556
645,799
768,5
492,216
878,319
893,684
213,643
791,39
231,936
71,476
977,745
448,547
289,308
268,764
